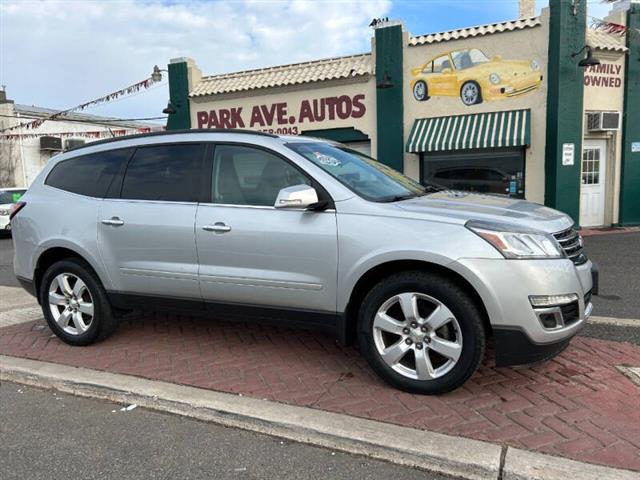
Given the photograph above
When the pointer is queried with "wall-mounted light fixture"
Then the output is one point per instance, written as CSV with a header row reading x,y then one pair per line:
x,y
170,110
386,81
587,61
156,75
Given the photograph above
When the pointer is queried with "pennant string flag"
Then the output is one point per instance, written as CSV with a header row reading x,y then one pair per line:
x,y
136,87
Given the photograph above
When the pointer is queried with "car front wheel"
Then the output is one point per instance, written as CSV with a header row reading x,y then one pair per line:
x,y
421,332
75,304
470,93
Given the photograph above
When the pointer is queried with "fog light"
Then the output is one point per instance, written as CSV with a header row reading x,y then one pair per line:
x,y
541,301
548,320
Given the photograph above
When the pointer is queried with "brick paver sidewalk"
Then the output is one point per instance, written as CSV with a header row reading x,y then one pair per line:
x,y
578,405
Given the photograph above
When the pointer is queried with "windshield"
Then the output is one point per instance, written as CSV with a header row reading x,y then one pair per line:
x,y
363,175
10,196
468,58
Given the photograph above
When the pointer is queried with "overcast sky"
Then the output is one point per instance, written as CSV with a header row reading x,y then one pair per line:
x,y
59,53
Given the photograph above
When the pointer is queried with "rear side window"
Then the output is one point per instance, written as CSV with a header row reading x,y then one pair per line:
x,y
88,175
169,173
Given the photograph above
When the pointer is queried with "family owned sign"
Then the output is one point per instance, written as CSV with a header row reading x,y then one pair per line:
x,y
281,117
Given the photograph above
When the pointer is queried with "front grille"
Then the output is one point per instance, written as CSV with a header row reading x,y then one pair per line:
x,y
571,243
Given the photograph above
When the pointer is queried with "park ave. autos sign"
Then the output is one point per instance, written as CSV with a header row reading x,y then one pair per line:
x,y
281,117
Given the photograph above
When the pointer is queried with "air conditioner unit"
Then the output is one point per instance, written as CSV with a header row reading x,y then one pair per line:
x,y
72,143
51,143
603,121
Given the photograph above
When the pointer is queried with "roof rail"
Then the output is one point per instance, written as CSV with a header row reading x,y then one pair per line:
x,y
173,132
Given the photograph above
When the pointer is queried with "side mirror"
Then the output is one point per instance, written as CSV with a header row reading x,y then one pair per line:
x,y
297,196
446,71
496,58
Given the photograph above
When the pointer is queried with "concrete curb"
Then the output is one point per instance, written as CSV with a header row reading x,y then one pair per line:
x,y
617,322
466,458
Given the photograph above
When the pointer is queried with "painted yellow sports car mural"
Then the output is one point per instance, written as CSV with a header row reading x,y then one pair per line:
x,y
474,77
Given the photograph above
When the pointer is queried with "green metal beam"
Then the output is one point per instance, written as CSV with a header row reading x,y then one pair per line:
x,y
564,105
630,173
179,96
389,100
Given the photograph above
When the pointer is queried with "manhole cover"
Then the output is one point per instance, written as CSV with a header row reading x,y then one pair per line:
x,y
633,373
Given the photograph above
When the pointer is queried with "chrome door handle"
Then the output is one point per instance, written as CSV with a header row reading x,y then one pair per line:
x,y
115,221
217,227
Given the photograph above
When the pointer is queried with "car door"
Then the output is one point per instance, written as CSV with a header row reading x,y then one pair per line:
x,y
145,235
252,253
443,79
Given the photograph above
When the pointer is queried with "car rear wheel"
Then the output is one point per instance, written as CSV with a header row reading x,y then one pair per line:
x,y
420,91
75,304
421,332
470,93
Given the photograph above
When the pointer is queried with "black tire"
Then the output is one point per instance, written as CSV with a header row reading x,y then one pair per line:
x,y
469,100
455,299
103,323
421,86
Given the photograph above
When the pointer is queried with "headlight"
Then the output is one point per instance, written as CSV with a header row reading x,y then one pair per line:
x,y
494,78
4,213
534,65
515,242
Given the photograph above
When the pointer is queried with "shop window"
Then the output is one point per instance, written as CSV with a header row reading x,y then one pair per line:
x,y
496,171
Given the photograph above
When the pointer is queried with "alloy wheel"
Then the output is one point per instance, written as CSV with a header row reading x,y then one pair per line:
x,y
417,336
419,91
70,303
470,93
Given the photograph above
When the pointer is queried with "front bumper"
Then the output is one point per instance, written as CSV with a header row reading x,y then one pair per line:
x,y
523,85
505,287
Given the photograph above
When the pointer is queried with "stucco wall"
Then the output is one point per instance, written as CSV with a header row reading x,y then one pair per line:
x,y
527,44
604,91
361,93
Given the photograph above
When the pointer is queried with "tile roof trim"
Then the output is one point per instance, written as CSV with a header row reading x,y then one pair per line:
x,y
283,68
479,30
609,42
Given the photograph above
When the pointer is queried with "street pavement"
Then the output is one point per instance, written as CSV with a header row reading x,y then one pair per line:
x,y
7,278
618,257
74,437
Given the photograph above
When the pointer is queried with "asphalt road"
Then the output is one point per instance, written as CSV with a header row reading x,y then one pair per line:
x,y
617,255
47,435
7,278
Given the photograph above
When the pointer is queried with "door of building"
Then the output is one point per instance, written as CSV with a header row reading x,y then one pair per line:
x,y
592,194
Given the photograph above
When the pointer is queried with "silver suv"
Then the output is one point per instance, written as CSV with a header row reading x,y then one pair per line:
x,y
303,232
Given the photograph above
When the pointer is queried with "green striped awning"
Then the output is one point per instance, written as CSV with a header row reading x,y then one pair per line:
x,y
479,130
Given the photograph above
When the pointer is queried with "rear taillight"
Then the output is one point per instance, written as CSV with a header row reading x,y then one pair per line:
x,y
15,208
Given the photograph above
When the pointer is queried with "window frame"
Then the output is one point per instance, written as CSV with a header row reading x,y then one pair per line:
x,y
118,182
117,176
208,169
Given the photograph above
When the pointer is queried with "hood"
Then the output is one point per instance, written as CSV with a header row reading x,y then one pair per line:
x,y
464,206
505,68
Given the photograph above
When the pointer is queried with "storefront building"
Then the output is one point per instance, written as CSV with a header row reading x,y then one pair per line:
x,y
503,108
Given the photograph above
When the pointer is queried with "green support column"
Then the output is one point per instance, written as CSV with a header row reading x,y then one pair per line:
x,y
564,104
630,173
179,96
389,101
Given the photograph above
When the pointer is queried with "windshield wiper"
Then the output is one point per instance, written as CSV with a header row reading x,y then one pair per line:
x,y
397,198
